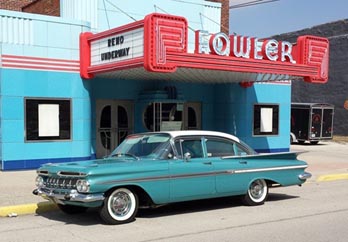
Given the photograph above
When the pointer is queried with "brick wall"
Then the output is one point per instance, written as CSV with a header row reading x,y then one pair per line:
x,y
14,5
225,14
335,91
46,7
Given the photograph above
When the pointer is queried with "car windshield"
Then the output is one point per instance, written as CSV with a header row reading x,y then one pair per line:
x,y
153,146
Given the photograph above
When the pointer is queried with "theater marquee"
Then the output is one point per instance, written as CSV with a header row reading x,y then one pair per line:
x,y
156,48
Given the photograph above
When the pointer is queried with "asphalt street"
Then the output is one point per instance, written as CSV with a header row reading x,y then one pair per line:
x,y
314,212
321,201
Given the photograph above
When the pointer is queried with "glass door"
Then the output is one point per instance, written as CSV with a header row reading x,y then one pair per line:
x,y
162,116
192,116
114,122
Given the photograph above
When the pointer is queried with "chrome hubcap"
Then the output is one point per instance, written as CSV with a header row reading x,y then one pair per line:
x,y
121,204
256,189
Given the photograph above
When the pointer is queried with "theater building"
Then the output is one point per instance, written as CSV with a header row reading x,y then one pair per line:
x,y
70,92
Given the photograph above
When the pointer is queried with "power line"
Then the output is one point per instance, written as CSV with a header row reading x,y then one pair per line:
x,y
155,6
106,14
222,26
252,3
119,9
188,2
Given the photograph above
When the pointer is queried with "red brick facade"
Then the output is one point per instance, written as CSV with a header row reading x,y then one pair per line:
x,y
46,7
225,14
14,5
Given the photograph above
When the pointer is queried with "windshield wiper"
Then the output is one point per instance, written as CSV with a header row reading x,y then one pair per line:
x,y
126,154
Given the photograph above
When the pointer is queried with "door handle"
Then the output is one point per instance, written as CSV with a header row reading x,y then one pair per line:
x,y
207,163
243,162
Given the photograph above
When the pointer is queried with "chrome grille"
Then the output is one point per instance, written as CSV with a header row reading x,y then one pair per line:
x,y
61,183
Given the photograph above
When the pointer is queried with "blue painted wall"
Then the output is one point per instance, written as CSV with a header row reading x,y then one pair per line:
x,y
43,37
16,85
235,107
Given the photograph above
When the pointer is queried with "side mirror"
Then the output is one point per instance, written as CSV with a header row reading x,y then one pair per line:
x,y
187,156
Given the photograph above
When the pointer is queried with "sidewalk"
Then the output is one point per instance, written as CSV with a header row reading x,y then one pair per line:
x,y
327,161
16,196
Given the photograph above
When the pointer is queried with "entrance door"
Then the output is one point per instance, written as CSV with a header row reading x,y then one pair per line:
x,y
327,123
114,122
192,116
317,114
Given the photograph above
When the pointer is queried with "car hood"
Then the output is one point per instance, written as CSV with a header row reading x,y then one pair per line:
x,y
101,166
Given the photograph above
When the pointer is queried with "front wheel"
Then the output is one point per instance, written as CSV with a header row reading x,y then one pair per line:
x,y
257,193
119,207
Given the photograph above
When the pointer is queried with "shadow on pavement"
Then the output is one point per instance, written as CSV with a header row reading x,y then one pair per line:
x,y
91,217
274,197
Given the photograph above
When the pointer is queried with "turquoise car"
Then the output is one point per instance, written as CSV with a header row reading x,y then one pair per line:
x,y
151,169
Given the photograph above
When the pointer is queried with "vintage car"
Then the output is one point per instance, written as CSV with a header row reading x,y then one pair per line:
x,y
151,169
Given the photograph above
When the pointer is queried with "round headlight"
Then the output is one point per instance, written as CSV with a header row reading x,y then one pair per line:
x,y
39,181
82,186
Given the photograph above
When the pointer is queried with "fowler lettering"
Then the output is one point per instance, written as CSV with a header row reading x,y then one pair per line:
x,y
243,47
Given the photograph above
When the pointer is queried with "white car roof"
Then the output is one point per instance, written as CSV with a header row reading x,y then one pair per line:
x,y
202,133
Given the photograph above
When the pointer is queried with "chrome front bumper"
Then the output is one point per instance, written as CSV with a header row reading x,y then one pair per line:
x,y
304,176
62,196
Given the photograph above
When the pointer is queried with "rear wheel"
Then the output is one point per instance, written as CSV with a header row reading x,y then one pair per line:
x,y
70,209
119,207
257,193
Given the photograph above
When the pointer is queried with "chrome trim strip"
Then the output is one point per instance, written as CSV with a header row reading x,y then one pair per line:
x,y
264,154
157,178
272,169
212,173
71,174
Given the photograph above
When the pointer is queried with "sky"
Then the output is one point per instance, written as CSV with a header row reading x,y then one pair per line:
x,y
283,16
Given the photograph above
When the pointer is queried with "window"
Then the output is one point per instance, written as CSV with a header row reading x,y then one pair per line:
x,y
218,148
266,119
194,147
47,119
241,151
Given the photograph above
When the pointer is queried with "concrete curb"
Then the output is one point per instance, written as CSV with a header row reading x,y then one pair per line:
x,y
13,211
332,177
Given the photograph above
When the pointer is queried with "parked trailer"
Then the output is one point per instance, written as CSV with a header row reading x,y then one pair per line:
x,y
311,122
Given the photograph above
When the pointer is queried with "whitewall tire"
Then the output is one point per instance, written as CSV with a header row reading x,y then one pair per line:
x,y
257,193
120,206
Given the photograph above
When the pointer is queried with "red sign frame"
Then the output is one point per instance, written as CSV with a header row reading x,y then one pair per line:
x,y
166,44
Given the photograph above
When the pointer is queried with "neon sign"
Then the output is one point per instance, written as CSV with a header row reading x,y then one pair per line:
x,y
243,47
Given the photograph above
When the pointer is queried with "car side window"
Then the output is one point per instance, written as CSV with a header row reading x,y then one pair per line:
x,y
192,146
240,150
219,147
